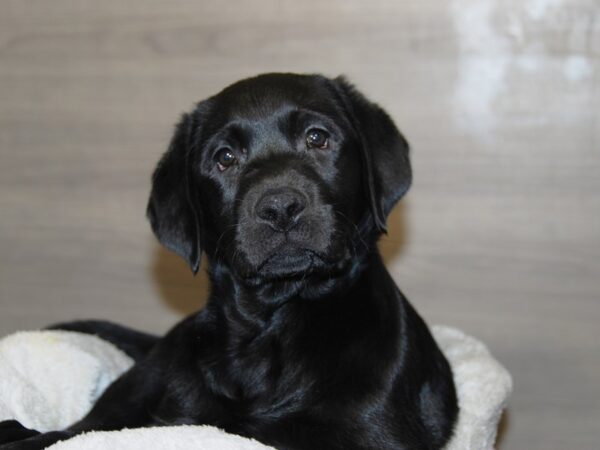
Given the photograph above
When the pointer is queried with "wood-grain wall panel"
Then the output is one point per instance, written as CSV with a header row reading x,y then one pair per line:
x,y
500,234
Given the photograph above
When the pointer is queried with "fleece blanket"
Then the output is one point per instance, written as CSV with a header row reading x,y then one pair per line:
x,y
50,379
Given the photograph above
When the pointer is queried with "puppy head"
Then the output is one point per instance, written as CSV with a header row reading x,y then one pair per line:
x,y
280,176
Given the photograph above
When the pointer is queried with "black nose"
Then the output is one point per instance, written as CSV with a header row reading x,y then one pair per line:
x,y
281,208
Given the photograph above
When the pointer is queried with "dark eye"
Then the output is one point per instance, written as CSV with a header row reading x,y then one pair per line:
x,y
316,138
225,158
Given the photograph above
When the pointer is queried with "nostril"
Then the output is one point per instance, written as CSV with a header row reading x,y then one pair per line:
x,y
293,209
268,213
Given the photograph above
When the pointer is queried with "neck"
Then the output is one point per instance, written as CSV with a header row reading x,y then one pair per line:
x,y
257,303
363,307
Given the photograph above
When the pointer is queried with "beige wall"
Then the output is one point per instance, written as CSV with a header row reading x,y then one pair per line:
x,y
500,234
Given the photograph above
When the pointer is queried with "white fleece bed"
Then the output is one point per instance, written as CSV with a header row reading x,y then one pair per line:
x,y
50,379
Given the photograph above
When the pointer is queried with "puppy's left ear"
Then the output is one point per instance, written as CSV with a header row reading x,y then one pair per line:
x,y
384,151
173,210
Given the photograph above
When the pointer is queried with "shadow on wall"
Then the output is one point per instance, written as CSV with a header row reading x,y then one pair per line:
x,y
503,427
177,285
392,244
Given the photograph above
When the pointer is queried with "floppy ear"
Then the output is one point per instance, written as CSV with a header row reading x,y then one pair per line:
x,y
172,209
386,167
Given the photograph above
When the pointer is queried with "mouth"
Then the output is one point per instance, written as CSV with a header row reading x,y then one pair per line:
x,y
288,261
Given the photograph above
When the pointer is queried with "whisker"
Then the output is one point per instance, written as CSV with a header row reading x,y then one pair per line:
x,y
354,226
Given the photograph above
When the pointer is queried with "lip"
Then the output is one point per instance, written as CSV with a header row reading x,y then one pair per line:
x,y
289,261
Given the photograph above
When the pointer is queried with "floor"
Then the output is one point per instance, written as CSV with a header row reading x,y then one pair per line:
x,y
500,234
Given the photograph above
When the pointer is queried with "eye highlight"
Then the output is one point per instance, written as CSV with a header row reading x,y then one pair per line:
x,y
317,138
225,158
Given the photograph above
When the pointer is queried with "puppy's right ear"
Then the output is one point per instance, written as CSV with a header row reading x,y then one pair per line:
x,y
173,209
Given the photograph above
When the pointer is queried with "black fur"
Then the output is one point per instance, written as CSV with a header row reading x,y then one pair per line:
x,y
134,343
306,342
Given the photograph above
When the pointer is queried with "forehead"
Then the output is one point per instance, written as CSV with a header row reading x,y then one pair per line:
x,y
265,95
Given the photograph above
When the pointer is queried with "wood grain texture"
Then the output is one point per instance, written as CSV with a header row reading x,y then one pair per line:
x,y
499,236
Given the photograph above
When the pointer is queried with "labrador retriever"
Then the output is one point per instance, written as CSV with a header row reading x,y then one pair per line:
x,y
284,181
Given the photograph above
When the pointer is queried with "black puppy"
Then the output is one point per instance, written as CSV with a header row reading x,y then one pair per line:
x,y
285,182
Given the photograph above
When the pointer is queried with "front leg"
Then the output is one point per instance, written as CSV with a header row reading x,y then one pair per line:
x,y
128,402
37,442
11,430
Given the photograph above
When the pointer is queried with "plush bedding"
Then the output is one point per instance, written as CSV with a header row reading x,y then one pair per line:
x,y
50,379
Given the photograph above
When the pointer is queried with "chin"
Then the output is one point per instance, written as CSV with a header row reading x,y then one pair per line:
x,y
296,266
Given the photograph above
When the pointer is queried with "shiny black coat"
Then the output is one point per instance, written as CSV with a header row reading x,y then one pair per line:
x,y
285,182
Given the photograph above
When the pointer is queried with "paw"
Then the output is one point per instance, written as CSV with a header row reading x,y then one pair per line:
x,y
11,431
